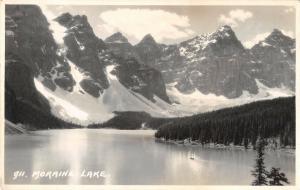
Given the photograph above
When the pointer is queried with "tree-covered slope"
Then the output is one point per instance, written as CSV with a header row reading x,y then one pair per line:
x,y
238,125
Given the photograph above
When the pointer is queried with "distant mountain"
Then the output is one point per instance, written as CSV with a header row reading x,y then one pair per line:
x,y
117,38
215,63
275,60
218,63
148,50
120,46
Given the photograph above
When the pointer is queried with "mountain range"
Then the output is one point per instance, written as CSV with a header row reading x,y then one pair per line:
x,y
62,70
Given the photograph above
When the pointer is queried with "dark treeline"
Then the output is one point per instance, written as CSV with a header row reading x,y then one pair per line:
x,y
125,120
238,125
132,120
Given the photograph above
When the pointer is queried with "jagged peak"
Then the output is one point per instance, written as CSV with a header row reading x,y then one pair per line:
x,y
64,18
222,33
276,32
224,28
117,37
277,37
148,39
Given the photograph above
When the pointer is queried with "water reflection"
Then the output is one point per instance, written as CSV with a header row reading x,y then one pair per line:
x,y
130,157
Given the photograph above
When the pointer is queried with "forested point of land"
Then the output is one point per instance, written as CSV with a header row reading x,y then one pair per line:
x,y
239,125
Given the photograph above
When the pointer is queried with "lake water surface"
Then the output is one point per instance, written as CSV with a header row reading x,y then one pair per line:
x,y
128,158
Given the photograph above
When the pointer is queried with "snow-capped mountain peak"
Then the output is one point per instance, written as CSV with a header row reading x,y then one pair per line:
x,y
224,32
224,28
223,36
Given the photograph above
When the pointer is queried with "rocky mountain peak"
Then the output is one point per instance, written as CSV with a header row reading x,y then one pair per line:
x,y
278,35
148,50
82,47
117,37
219,40
64,18
148,39
277,42
276,32
74,22
277,38
225,28
225,33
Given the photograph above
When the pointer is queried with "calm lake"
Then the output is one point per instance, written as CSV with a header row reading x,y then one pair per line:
x,y
107,156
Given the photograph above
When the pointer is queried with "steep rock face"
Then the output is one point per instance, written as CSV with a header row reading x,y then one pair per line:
x,y
10,104
275,60
23,103
29,39
132,72
92,55
19,78
148,50
83,49
29,53
141,78
170,64
218,63
213,63
120,46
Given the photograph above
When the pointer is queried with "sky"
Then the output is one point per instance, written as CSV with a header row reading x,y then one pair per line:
x,y
174,24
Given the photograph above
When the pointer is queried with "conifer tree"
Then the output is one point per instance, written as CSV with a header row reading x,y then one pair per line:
x,y
276,177
260,173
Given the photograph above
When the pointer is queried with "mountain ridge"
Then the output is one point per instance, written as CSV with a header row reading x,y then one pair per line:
x,y
89,75
189,63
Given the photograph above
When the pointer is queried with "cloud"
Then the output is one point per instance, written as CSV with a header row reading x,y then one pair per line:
x,y
288,33
136,23
234,17
259,37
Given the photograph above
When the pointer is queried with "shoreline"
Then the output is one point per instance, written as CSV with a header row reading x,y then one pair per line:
x,y
187,143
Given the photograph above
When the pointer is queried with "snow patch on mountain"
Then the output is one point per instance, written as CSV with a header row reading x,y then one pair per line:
x,y
63,104
265,92
197,102
84,109
58,31
264,44
119,98
77,75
